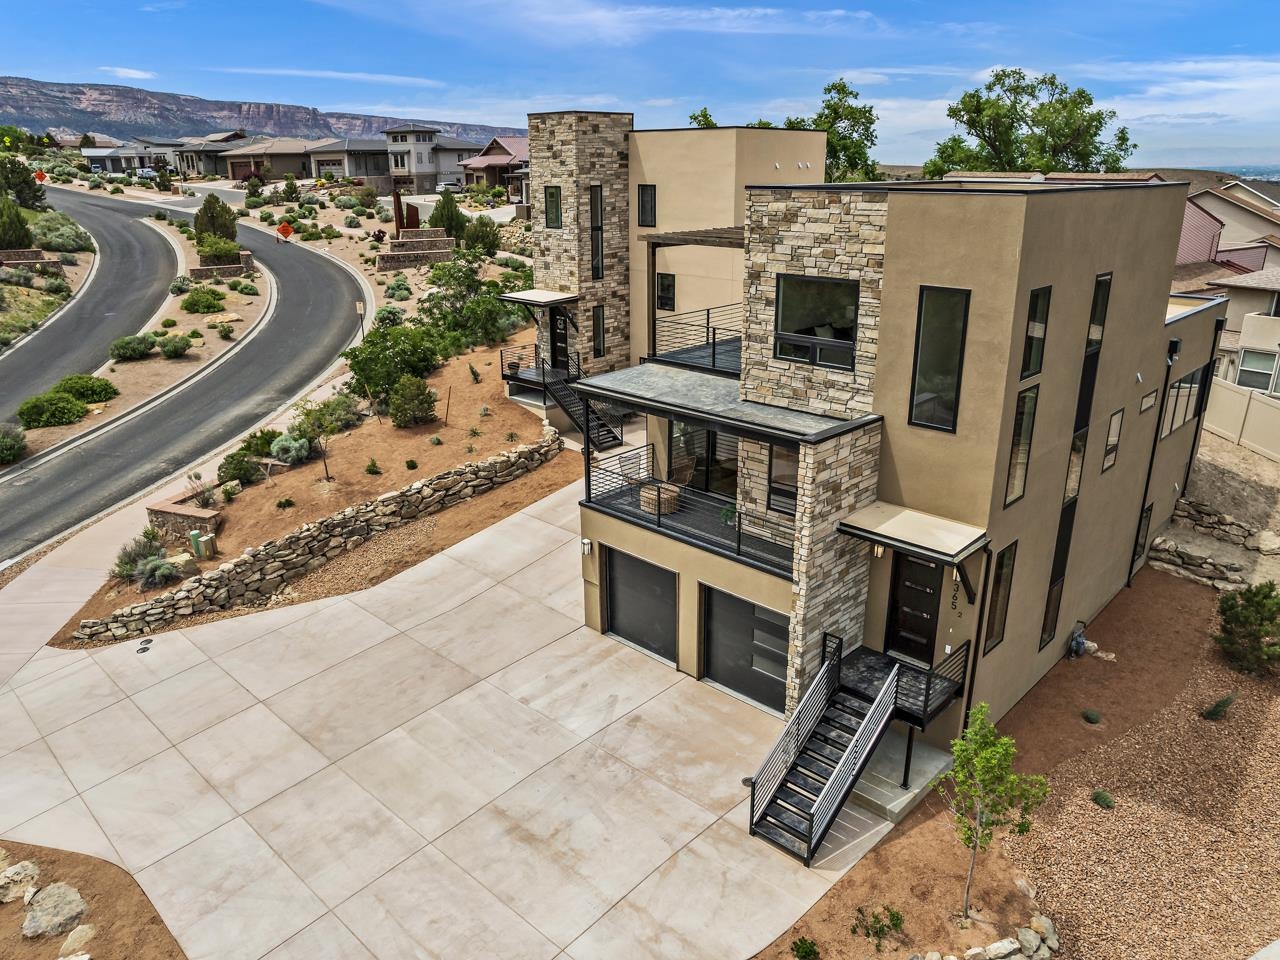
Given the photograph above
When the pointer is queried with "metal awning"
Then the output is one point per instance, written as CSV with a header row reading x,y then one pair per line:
x,y
713,237
914,532
539,298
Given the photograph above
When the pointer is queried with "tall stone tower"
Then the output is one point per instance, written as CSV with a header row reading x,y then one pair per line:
x,y
579,159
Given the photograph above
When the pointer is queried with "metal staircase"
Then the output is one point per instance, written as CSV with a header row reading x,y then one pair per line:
x,y
606,428
822,752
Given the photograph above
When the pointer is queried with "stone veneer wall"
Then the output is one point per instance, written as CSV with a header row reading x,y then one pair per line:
x,y
261,572
246,265
831,572
816,233
575,151
753,484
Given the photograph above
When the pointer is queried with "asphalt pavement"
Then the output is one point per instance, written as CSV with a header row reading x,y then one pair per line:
x,y
314,320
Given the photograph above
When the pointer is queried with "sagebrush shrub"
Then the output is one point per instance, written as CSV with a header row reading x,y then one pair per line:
x,y
154,572
203,300
146,544
86,388
131,348
168,323
175,347
13,443
290,449
248,290
57,286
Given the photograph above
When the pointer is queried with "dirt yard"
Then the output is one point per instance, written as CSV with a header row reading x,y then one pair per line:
x,y
1188,863
127,925
1237,482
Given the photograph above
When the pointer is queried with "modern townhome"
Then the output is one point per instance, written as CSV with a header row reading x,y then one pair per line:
x,y
1249,232
201,156
350,158
934,429
421,156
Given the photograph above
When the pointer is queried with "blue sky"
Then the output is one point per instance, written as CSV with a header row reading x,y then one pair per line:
x,y
1196,85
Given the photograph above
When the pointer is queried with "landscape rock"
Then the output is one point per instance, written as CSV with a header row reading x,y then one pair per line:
x,y
56,909
1002,948
976,953
933,955
1044,926
1025,886
1028,940
29,893
15,879
1265,542
1042,954
77,940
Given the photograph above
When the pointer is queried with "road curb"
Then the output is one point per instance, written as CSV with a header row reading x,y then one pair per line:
x,y
48,321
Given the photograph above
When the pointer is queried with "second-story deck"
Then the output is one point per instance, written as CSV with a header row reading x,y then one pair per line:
x,y
708,339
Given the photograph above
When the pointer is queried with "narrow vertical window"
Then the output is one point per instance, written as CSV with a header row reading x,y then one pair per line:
x,y
1024,420
1001,587
941,319
784,471
1075,465
665,294
597,331
1112,450
1098,313
597,232
1037,323
647,205
552,197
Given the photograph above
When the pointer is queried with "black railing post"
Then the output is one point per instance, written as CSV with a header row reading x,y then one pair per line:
x,y
906,764
714,337
928,695
586,445
737,520
751,815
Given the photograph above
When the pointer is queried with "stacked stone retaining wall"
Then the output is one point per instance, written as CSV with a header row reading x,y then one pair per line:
x,y
1172,557
246,265
261,572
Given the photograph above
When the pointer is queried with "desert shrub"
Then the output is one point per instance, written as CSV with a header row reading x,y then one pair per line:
x,y
50,410
95,183
436,442
235,283
168,322
86,388
310,236
284,503
346,203
56,231
57,286
446,214
315,420
258,443
389,316
181,285
358,211
398,288
159,334
13,443
155,571
194,335
289,449
1249,628
475,374
351,220
312,199
175,346
411,402
116,190
14,232
248,290
17,276
238,466
485,411
1091,716
226,331
372,467
218,250
804,949
330,233
386,355
378,236
146,544
473,432
512,436
1218,709
68,259
267,217
411,464
470,448
1103,799
203,300
367,196
385,216
253,203
161,215
482,234
131,348
876,926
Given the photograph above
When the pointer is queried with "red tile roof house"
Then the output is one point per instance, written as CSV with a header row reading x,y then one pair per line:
x,y
504,162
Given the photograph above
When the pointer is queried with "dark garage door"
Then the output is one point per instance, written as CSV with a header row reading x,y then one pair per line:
x,y
641,603
746,647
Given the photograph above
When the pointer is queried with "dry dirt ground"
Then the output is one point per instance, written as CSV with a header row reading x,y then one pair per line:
x,y
1188,863
127,925
1237,481
31,303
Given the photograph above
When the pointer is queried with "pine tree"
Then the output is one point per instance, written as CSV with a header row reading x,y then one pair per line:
x,y
14,234
215,217
447,216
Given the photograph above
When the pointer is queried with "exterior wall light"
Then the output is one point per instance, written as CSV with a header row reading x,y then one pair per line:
x,y
878,550
586,547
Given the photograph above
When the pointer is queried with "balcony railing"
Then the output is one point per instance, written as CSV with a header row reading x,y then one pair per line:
x,y
923,693
521,363
709,339
627,486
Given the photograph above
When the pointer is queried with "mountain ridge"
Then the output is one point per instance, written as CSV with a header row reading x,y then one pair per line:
x,y
122,111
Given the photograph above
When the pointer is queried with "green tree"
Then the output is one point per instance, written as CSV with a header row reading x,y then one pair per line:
x,y
253,188
291,193
983,792
16,178
87,141
1249,628
1019,123
14,232
702,118
215,217
388,353
446,215
482,234
851,132
411,402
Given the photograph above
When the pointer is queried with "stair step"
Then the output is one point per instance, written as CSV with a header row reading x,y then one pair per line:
x,y
847,722
850,702
802,780
834,733
793,798
816,767
820,748
789,820
777,835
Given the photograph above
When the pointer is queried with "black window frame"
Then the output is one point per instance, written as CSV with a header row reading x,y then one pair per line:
x,y
659,298
1111,448
597,331
998,607
1102,285
814,346
1178,405
595,204
781,498
549,191
915,359
1034,391
1028,340
1068,495
647,205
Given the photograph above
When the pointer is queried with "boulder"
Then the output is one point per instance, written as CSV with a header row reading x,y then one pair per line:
x,y
15,879
1002,948
55,910
77,939
185,563
933,955
1265,542
1043,926
1028,940
976,953
1044,953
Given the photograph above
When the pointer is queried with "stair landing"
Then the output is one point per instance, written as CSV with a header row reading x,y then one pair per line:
x,y
879,789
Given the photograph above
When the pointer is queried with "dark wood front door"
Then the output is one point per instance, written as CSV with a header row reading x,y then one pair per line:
x,y
912,623
559,339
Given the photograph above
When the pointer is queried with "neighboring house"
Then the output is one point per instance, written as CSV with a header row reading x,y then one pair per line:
x,y
1250,347
350,158
502,163
202,156
279,155
133,154
943,453
421,157
1249,222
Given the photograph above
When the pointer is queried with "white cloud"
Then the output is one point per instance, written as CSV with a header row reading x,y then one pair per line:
x,y
499,109
391,79
661,101
128,73
163,6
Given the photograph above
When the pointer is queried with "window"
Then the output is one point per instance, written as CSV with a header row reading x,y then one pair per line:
x,y
552,196
703,459
1098,314
1112,449
1257,369
398,160
1058,573
1182,402
597,232
784,469
399,138
1217,365
597,331
1148,401
647,205
1001,587
816,320
665,291
1075,465
1024,420
460,157
935,376
1037,322
419,158
1144,528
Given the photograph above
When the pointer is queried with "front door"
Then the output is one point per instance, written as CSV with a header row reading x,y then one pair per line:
x,y
912,623
559,340
745,647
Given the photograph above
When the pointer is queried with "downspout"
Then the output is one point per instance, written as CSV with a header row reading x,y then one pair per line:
x,y
977,639
1171,355
1218,326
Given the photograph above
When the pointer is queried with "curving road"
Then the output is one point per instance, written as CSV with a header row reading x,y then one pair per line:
x,y
314,320
131,283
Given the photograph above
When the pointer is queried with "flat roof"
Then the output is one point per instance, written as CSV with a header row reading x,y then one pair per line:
x,y
539,298
979,186
914,531
1183,305
689,394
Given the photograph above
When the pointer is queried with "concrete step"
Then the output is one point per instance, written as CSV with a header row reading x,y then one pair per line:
x,y
879,789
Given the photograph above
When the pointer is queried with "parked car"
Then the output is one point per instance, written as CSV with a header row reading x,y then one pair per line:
x,y
145,173
95,168
449,186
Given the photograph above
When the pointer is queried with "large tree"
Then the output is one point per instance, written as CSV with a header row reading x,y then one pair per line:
x,y
1017,122
14,233
215,217
16,178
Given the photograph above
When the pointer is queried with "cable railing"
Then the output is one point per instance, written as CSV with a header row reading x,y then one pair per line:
x,y
946,680
709,338
521,361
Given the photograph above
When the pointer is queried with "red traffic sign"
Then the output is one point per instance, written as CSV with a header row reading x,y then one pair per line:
x,y
40,177
285,230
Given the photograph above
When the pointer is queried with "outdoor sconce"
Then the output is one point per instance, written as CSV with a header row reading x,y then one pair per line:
x,y
955,574
586,547
878,550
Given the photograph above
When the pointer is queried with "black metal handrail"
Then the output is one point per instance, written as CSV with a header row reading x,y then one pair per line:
x,y
707,338
515,359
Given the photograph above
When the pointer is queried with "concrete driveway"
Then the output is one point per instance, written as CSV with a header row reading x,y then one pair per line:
x,y
446,765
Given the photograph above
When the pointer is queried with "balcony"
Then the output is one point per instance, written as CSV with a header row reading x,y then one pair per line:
x,y
923,691
627,486
709,339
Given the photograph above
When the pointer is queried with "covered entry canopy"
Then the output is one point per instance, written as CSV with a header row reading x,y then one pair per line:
x,y
539,298
914,532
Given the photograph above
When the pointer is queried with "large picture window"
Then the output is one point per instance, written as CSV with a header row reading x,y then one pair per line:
x,y
784,468
664,291
1037,324
703,459
552,197
1001,587
647,205
596,202
1024,421
935,377
816,320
